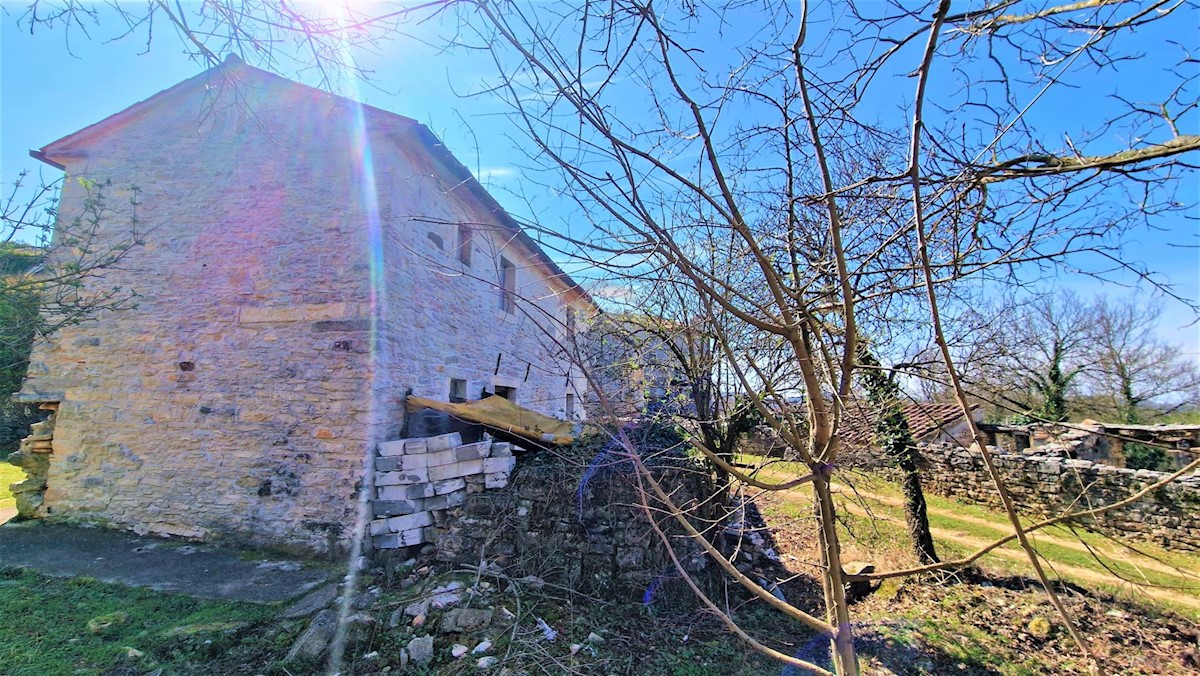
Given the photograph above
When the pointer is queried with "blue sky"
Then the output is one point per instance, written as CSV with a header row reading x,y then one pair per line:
x,y
50,87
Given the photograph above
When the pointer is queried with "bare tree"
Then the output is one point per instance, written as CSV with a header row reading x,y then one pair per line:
x,y
1135,375
841,218
52,275
1030,366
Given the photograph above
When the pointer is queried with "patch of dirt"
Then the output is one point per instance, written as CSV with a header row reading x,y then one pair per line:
x,y
977,624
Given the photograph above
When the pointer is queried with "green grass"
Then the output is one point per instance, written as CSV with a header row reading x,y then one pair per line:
x,y
952,515
9,474
44,629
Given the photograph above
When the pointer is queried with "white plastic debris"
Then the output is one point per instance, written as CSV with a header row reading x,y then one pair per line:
x,y
547,630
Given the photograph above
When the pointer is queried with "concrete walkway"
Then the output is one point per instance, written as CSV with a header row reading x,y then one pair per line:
x,y
202,571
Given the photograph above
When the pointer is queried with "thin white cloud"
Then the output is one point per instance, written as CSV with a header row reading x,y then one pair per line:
x,y
496,173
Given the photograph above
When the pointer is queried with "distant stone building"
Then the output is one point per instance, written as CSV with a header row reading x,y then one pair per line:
x,y
639,364
308,260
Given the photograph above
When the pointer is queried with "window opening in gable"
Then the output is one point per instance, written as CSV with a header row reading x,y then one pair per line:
x,y
465,241
508,286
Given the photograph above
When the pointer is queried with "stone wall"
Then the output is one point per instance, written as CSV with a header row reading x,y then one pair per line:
x,y
289,296
417,480
569,524
1051,484
33,457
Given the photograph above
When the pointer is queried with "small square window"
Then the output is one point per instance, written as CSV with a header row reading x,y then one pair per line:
x,y
509,393
508,286
458,390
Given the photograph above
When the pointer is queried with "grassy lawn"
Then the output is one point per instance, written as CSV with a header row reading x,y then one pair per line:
x,y
81,626
1077,556
9,474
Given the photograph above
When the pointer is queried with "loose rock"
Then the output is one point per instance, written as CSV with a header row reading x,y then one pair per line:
x,y
420,650
313,642
311,603
465,619
102,623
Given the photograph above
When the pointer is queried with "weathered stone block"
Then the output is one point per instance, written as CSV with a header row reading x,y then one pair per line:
x,y
389,464
456,470
443,442
448,486
440,458
499,465
389,449
400,524
496,480
420,491
395,507
415,446
409,492
418,476
389,541
501,449
474,451
411,463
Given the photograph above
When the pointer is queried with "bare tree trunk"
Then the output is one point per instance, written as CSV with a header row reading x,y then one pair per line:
x,y
837,611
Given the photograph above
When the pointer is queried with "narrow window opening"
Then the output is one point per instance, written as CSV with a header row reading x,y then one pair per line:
x,y
458,390
509,393
508,286
465,241
570,406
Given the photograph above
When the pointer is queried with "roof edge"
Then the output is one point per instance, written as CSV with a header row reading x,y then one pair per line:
x,y
465,177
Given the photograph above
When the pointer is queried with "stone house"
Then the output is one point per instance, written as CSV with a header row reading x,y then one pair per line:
x,y
307,261
640,363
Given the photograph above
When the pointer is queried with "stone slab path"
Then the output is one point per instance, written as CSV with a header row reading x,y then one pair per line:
x,y
202,571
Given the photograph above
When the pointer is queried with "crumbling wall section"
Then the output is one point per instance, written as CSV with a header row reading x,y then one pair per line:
x,y
1049,484
578,527
33,456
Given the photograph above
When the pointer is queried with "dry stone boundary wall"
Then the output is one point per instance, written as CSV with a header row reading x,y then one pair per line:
x,y
1051,484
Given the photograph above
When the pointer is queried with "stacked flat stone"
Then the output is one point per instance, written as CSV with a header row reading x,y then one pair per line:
x,y
33,457
418,478
1049,481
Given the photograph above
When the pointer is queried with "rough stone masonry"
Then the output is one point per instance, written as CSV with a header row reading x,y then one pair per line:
x,y
289,295
1049,484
